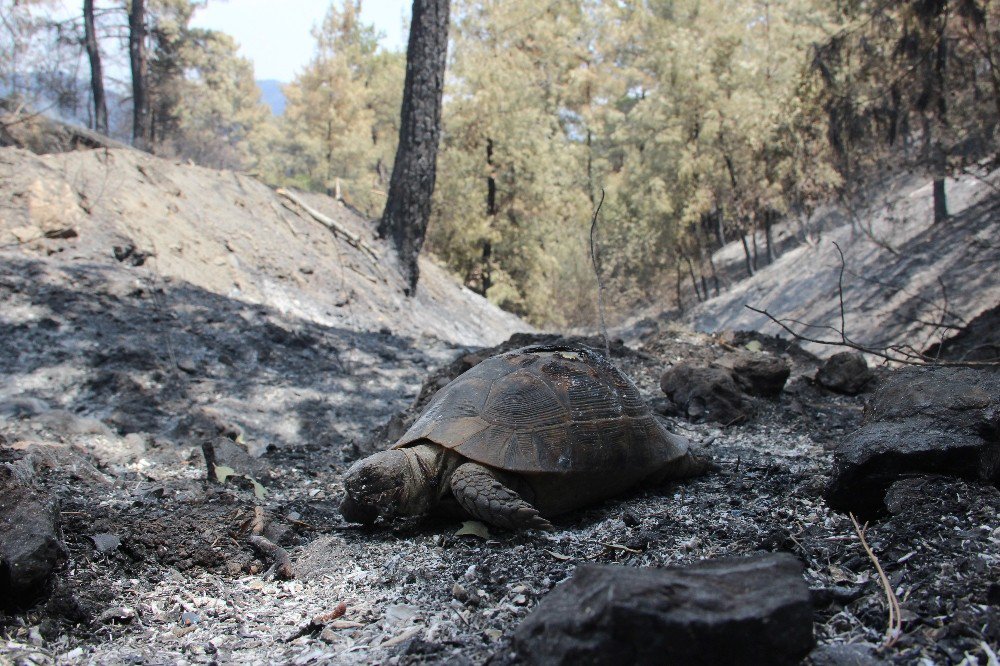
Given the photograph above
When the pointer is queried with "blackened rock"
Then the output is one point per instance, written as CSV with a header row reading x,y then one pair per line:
x,y
760,374
753,610
993,594
224,452
921,421
705,394
846,372
31,547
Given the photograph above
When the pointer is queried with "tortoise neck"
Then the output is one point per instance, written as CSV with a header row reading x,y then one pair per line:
x,y
430,470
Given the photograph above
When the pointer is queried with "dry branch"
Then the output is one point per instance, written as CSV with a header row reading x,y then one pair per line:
x,y
895,623
259,521
281,563
597,274
352,239
902,353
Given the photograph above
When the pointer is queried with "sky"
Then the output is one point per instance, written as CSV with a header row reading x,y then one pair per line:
x,y
275,34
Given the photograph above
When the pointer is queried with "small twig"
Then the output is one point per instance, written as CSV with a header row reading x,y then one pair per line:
x,y
895,623
259,521
597,274
618,546
991,656
840,291
281,562
901,355
330,616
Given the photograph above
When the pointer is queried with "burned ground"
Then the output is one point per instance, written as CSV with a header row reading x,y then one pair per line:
x,y
184,585
235,315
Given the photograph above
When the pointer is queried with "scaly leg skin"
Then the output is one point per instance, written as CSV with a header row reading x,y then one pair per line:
x,y
484,496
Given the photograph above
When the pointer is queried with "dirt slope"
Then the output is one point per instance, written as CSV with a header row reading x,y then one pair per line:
x,y
229,235
917,275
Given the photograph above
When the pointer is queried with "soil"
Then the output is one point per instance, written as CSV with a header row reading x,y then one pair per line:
x,y
113,375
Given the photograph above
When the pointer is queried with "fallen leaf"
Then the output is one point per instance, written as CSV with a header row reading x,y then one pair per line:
x,y
258,490
223,472
559,556
474,528
754,346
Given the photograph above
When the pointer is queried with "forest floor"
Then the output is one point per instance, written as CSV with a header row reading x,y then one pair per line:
x,y
114,373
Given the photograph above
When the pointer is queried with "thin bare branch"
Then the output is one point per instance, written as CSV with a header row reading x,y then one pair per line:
x,y
894,626
597,274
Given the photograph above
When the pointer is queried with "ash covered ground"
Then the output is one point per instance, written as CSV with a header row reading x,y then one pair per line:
x,y
111,417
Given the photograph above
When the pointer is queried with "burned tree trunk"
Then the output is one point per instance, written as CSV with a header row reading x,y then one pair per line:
x,y
746,252
940,201
96,72
142,126
769,236
408,207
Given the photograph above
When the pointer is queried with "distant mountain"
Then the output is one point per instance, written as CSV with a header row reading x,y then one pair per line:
x,y
272,94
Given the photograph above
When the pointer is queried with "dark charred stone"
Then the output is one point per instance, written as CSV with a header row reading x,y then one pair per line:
x,y
753,610
993,594
224,452
760,374
978,341
31,547
922,421
705,394
846,372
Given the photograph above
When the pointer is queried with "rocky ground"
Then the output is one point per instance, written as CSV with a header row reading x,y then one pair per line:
x,y
160,567
118,375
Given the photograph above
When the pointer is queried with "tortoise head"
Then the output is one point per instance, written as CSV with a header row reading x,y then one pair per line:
x,y
376,486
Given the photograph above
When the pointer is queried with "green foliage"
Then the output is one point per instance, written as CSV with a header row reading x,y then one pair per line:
x,y
342,118
209,108
687,113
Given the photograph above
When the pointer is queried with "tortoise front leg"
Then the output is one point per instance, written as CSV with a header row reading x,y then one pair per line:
x,y
483,495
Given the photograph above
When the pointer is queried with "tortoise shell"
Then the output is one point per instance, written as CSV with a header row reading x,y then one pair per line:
x,y
547,409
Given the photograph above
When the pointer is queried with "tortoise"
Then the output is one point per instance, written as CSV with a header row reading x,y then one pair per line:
x,y
521,437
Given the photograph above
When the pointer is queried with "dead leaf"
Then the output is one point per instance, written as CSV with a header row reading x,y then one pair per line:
x,y
223,472
474,528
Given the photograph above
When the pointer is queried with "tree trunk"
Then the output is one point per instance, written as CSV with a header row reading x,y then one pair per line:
x,y
746,252
940,201
492,210
487,278
96,73
701,261
491,181
328,178
720,229
768,237
412,183
677,287
142,127
715,274
694,280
